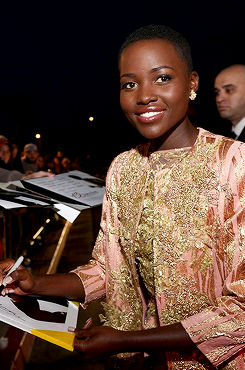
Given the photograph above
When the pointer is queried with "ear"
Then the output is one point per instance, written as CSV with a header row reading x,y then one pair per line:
x,y
194,81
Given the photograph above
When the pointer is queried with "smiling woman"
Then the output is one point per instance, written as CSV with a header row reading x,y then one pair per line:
x,y
169,256
155,89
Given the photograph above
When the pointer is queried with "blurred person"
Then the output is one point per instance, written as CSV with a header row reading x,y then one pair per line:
x,y
3,139
57,164
75,164
15,150
41,162
6,156
65,165
16,158
49,162
60,154
58,157
229,88
29,158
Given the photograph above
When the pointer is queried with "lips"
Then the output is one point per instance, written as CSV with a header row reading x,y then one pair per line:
x,y
150,114
222,107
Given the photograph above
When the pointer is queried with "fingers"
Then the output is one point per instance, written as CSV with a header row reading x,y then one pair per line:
x,y
88,323
5,266
43,174
7,291
35,175
20,282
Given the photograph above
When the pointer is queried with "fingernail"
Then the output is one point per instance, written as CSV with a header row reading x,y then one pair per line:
x,y
8,280
10,291
71,328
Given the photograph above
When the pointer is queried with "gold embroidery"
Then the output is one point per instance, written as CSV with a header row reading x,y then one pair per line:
x,y
166,206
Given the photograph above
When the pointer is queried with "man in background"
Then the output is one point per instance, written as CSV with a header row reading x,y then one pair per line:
x,y
29,158
229,88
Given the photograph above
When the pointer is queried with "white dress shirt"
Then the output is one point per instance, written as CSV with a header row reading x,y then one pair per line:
x,y
239,127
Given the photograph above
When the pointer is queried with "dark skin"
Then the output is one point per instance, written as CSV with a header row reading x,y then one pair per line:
x,y
155,88
100,341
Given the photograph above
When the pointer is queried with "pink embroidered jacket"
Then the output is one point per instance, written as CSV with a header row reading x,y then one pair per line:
x,y
194,204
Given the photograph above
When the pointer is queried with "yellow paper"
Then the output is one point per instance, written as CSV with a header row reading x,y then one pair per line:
x,y
61,339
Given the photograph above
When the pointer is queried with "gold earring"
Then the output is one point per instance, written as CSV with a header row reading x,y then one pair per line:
x,y
192,95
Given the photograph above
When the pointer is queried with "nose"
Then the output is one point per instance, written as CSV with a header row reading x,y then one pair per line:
x,y
146,94
220,97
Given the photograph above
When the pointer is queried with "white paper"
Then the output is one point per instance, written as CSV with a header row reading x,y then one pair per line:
x,y
12,315
75,185
70,214
10,205
38,202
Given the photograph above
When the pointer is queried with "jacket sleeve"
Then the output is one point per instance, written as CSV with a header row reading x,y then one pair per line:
x,y
219,330
6,175
93,274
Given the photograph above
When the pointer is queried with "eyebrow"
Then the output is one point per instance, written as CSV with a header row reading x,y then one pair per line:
x,y
151,71
161,67
225,86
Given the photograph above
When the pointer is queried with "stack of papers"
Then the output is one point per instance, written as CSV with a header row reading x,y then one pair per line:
x,y
68,193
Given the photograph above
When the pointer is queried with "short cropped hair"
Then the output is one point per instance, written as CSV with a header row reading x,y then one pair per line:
x,y
165,33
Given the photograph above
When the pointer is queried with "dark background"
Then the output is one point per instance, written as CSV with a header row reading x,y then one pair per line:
x,y
58,67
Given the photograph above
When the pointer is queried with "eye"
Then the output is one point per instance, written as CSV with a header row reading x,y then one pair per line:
x,y
229,90
128,85
164,78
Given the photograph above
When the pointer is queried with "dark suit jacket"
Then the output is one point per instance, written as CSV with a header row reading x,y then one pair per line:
x,y
226,131
241,137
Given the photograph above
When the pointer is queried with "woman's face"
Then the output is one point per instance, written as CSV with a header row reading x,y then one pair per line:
x,y
155,87
5,153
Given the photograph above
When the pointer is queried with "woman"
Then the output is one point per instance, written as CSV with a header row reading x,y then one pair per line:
x,y
9,158
169,257
6,156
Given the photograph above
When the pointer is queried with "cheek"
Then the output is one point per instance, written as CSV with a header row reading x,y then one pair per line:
x,y
240,102
126,103
179,102
178,94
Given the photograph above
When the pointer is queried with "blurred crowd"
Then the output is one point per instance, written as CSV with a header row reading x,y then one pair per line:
x,y
229,89
29,159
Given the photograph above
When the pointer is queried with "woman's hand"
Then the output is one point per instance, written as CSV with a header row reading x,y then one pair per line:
x,y
104,341
97,341
22,282
19,282
37,175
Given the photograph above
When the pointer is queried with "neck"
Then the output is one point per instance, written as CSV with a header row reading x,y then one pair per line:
x,y
182,136
235,122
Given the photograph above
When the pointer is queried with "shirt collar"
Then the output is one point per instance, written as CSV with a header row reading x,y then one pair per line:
x,y
239,127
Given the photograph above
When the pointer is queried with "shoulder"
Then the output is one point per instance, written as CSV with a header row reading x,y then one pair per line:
x,y
139,153
131,160
224,144
225,155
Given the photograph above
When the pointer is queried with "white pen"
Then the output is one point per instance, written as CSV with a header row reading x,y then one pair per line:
x,y
13,268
